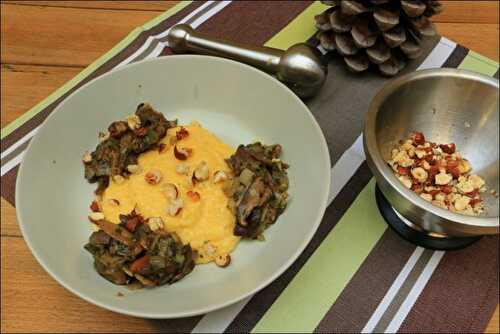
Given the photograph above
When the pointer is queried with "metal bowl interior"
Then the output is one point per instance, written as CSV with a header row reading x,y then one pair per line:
x,y
448,106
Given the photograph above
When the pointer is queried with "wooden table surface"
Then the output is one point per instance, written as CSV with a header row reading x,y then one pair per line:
x,y
46,43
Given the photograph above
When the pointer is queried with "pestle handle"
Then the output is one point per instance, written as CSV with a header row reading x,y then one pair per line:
x,y
182,38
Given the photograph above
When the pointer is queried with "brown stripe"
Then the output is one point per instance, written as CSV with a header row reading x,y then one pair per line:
x,y
8,185
462,294
124,54
357,302
166,52
403,292
253,22
456,57
260,303
496,74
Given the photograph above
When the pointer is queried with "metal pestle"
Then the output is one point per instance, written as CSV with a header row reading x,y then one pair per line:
x,y
299,67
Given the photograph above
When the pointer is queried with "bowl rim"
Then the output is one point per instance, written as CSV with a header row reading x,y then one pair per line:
x,y
322,198
486,223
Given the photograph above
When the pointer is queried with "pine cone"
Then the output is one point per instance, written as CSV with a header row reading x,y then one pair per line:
x,y
382,32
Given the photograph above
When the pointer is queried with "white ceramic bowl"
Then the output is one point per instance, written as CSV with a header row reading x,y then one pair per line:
x,y
236,102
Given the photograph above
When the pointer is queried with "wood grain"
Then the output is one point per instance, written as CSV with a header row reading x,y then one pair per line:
x,y
9,226
473,37
493,326
26,85
34,302
44,44
468,12
63,36
157,6
453,11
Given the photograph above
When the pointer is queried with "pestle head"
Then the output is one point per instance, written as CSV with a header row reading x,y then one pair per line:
x,y
178,36
302,69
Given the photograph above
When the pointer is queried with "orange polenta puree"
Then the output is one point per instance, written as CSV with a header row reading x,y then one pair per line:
x,y
207,224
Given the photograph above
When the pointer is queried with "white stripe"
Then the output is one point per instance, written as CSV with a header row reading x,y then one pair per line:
x,y
393,290
150,39
196,23
345,168
12,163
415,292
156,51
19,142
322,49
438,55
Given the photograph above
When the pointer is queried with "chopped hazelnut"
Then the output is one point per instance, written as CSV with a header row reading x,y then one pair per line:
x,y
87,157
441,204
440,197
403,159
419,174
201,173
464,186
194,195
155,223
426,165
133,121
170,190
182,153
427,197
420,153
153,177
405,180
182,169
96,216
223,260
103,136
118,179
175,207
134,169
220,176
209,248
113,202
443,178
95,207
476,181
461,203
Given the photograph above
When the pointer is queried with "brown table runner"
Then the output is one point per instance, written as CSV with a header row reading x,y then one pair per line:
x,y
356,274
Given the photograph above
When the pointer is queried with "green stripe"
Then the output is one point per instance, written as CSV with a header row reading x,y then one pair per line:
x,y
88,70
299,30
315,288
478,63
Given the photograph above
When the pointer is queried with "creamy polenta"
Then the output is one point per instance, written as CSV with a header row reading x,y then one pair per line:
x,y
204,221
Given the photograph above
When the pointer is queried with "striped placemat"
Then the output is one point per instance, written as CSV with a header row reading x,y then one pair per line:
x,y
356,274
